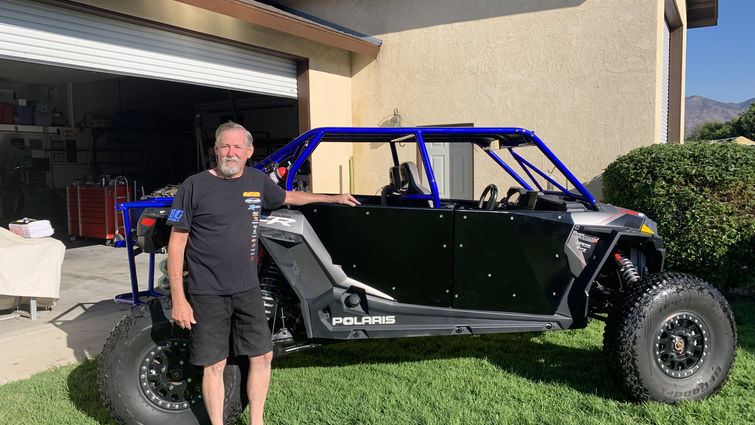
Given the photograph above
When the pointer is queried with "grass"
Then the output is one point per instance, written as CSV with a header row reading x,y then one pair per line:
x,y
542,378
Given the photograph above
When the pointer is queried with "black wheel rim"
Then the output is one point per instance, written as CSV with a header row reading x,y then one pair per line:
x,y
167,378
681,345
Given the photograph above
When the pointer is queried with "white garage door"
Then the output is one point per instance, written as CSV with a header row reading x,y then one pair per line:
x,y
55,36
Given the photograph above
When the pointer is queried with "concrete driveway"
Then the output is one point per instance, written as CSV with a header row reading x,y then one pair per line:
x,y
79,323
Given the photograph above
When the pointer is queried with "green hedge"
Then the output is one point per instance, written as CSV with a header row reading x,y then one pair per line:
x,y
703,197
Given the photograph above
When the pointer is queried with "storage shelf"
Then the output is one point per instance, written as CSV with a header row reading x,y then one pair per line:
x,y
19,128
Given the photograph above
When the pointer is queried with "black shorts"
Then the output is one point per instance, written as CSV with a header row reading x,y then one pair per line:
x,y
223,320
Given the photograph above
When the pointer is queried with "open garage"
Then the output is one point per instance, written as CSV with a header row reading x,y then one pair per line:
x,y
121,109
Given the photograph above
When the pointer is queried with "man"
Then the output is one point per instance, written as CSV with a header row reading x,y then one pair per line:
x,y
215,215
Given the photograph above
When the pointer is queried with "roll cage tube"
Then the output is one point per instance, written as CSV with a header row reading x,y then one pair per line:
x,y
430,174
527,166
508,169
565,171
301,158
510,138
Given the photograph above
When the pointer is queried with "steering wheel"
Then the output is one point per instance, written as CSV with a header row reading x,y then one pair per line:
x,y
490,203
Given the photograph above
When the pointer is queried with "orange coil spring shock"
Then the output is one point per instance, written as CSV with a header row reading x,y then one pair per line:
x,y
627,271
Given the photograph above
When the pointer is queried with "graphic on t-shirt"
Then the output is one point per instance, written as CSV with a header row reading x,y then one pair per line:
x,y
175,215
254,202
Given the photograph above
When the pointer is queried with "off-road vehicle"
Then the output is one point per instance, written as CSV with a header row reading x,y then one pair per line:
x,y
412,260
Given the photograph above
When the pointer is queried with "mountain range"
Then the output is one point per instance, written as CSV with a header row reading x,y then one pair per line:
x,y
700,109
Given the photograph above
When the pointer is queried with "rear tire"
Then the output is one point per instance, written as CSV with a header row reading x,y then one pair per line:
x,y
672,337
145,376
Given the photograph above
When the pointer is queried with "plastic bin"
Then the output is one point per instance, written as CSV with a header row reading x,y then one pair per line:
x,y
42,118
25,115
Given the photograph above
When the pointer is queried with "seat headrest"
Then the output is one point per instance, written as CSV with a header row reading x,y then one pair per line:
x,y
410,177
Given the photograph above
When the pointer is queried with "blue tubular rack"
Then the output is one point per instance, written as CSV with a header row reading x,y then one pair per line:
x,y
133,250
303,146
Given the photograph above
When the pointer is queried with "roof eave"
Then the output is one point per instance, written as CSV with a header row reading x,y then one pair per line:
x,y
266,16
702,13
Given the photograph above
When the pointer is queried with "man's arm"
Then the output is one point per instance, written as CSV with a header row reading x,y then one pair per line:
x,y
303,198
182,311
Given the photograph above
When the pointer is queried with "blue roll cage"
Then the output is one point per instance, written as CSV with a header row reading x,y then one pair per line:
x,y
508,138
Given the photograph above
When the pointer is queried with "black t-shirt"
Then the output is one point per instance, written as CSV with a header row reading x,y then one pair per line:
x,y
222,216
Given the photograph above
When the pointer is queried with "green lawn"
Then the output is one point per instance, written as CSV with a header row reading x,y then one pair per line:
x,y
542,378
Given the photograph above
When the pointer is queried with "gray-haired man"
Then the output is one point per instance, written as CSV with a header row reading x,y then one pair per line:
x,y
215,216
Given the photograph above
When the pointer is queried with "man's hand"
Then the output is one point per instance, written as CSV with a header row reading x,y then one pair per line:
x,y
183,314
345,199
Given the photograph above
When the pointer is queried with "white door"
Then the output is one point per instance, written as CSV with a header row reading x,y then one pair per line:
x,y
453,167
38,33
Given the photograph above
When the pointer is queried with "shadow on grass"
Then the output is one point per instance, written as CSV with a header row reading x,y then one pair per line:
x,y
744,314
85,394
527,355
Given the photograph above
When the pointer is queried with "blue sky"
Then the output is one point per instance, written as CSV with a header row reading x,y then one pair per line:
x,y
721,59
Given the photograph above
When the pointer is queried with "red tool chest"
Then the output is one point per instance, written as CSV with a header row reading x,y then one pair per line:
x,y
91,211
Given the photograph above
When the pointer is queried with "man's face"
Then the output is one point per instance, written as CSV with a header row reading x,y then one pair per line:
x,y
232,152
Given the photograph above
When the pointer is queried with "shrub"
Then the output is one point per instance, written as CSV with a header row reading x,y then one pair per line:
x,y
702,195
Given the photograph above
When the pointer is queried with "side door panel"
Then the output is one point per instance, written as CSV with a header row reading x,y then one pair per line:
x,y
504,261
403,252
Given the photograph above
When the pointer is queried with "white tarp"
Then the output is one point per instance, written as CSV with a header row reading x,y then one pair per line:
x,y
30,267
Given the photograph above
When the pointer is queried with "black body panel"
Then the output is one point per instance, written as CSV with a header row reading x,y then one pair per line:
x,y
403,252
418,320
509,261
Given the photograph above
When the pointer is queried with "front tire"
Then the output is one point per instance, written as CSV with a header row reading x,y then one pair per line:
x,y
671,337
145,376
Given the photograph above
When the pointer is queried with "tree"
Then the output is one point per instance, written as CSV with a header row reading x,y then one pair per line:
x,y
742,125
713,130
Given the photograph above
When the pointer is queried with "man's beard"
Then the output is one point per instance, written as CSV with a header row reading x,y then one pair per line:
x,y
230,170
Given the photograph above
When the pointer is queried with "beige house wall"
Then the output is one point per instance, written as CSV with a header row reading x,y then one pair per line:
x,y
584,75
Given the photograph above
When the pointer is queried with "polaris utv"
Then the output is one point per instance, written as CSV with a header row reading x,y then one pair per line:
x,y
413,260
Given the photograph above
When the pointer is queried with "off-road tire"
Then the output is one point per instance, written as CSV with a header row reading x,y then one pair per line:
x,y
663,315
135,388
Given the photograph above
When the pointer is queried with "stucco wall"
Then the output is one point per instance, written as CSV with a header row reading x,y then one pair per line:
x,y
583,74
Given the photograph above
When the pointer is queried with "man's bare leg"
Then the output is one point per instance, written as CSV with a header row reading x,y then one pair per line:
x,y
257,385
213,391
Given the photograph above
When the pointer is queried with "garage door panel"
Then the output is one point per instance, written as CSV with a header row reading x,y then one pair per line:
x,y
55,36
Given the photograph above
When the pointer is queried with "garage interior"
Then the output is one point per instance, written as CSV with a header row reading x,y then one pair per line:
x,y
62,127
